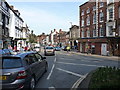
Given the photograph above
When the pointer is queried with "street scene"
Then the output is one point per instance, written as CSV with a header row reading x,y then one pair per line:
x,y
66,68
53,45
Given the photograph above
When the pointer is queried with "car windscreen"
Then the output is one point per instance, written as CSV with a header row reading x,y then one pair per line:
x,y
11,62
49,48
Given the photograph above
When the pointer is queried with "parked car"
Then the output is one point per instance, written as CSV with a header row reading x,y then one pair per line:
x,y
37,49
57,48
49,50
6,52
21,71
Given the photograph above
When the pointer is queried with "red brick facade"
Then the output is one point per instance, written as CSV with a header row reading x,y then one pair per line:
x,y
96,43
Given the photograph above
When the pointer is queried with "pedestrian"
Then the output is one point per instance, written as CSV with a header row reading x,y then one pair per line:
x,y
26,48
21,49
68,48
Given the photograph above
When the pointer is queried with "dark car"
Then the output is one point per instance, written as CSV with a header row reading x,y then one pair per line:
x,y
49,50
22,70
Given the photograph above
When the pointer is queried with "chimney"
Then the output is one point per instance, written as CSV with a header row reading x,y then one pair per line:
x,y
54,30
12,7
60,30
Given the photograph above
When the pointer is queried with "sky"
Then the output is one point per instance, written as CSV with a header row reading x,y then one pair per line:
x,y
46,16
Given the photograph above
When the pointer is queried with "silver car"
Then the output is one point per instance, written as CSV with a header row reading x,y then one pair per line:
x,y
49,50
22,70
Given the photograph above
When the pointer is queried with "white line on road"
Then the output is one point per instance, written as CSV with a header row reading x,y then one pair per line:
x,y
69,72
55,60
51,88
80,64
51,70
77,83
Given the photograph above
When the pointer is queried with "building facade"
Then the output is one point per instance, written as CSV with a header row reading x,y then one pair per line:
x,y
4,23
16,25
41,39
74,35
25,35
95,30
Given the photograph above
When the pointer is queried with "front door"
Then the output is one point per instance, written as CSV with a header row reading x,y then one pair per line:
x,y
104,49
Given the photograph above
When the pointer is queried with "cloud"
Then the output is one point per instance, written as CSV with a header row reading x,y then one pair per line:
x,y
42,20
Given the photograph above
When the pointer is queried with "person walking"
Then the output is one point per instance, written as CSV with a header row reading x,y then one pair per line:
x,y
68,48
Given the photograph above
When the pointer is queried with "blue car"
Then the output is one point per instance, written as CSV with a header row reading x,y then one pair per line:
x,y
57,49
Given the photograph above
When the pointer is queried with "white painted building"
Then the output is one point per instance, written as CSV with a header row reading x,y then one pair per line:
x,y
25,35
111,22
16,24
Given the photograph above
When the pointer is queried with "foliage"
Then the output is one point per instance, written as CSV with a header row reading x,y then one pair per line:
x,y
32,38
106,77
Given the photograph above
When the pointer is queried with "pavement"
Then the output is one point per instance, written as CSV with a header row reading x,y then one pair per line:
x,y
94,55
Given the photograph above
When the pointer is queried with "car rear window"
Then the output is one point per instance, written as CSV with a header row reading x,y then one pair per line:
x,y
49,47
9,63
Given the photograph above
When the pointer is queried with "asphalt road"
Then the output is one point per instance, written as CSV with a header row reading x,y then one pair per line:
x,y
66,69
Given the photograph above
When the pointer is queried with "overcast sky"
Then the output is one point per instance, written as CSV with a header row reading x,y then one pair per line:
x,y
46,16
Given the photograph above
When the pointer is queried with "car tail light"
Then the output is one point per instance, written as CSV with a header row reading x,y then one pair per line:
x,y
21,75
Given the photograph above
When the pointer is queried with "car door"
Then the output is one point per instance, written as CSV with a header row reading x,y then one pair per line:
x,y
34,64
41,63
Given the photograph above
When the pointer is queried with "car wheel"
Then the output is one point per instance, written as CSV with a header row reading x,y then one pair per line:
x,y
32,83
46,67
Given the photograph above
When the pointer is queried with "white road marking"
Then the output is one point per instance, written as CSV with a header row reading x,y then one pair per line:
x,y
80,64
51,70
69,72
51,88
77,83
55,60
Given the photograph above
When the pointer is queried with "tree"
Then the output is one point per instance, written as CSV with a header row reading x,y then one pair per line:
x,y
32,37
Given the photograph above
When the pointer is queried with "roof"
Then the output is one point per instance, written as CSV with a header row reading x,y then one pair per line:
x,y
19,55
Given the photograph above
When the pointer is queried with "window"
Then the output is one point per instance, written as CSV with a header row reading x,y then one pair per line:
x,y
88,20
82,22
38,57
13,62
94,8
82,12
101,16
82,34
110,32
94,32
88,33
88,10
94,18
110,13
32,59
101,31
101,4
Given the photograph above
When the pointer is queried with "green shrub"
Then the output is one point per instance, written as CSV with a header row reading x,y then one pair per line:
x,y
105,77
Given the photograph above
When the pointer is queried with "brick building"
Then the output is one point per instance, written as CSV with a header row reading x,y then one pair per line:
x,y
41,39
94,22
